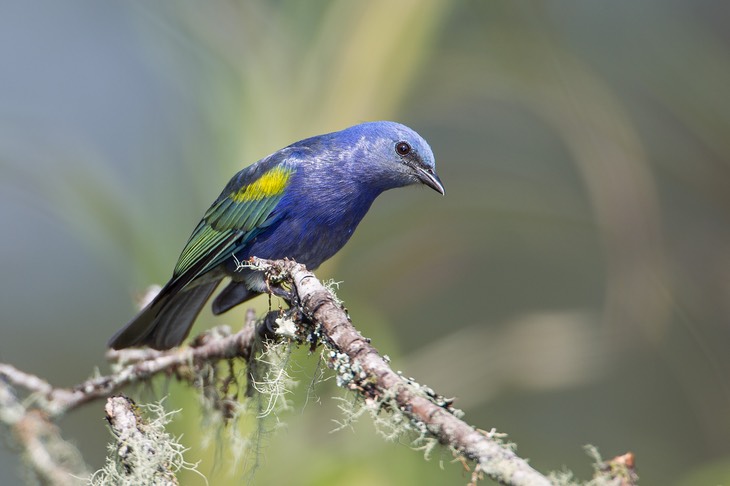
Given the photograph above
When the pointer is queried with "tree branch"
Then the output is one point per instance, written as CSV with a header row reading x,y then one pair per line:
x,y
378,381
52,460
315,317
30,419
137,365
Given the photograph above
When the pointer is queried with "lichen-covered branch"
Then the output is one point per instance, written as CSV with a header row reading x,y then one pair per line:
x,y
315,317
374,378
52,460
134,366
134,445
29,405
144,452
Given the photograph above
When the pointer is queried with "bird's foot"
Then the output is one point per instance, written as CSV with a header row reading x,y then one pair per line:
x,y
282,293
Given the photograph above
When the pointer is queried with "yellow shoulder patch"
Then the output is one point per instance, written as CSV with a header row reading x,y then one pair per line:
x,y
272,183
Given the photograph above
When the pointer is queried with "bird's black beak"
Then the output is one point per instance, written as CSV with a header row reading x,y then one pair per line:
x,y
429,177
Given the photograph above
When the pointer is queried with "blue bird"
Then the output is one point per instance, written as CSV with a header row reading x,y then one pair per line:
x,y
302,202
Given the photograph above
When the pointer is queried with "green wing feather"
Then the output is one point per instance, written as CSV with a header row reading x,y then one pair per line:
x,y
233,220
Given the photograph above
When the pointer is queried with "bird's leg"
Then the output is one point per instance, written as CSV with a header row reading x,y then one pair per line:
x,y
288,295
277,290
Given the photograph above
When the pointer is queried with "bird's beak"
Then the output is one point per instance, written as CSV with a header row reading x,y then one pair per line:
x,y
430,178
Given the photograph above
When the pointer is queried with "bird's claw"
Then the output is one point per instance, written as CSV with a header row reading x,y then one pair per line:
x,y
287,295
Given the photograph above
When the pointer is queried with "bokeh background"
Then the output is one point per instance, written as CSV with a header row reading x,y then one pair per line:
x,y
572,287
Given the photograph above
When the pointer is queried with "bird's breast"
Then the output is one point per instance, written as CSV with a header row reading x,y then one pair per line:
x,y
310,229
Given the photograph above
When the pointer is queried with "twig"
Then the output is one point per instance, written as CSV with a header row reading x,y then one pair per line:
x,y
146,363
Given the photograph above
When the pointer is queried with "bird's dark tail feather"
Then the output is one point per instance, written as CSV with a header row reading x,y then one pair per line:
x,y
166,321
233,294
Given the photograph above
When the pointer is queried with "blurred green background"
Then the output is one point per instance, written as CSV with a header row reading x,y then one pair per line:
x,y
572,287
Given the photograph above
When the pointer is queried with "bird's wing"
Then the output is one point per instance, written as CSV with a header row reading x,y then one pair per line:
x,y
246,207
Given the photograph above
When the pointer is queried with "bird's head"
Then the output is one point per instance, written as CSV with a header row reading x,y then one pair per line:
x,y
395,155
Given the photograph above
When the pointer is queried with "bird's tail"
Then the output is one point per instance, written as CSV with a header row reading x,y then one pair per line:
x,y
233,294
166,321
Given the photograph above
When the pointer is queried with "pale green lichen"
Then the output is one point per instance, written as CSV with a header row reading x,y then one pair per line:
x,y
345,371
389,422
241,402
286,328
269,385
150,457
332,285
500,438
427,445
606,473
272,381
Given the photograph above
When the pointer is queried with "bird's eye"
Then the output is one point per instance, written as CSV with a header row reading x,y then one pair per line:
x,y
402,148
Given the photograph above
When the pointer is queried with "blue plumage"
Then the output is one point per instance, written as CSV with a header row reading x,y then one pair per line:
x,y
302,202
